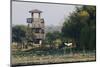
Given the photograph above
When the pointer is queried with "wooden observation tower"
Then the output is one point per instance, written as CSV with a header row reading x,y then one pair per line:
x,y
36,25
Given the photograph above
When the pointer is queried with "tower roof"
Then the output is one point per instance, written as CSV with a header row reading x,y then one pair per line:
x,y
35,11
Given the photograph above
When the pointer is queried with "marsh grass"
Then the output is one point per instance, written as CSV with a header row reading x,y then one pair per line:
x,y
50,56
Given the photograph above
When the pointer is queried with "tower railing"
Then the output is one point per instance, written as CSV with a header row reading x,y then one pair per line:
x,y
30,20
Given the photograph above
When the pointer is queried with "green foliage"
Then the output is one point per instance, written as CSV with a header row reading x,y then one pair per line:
x,y
18,33
81,26
22,33
57,42
52,38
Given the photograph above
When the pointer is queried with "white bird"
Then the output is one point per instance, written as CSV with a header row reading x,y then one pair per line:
x,y
40,42
68,44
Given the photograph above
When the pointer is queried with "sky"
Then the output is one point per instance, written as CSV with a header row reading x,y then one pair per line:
x,y
53,14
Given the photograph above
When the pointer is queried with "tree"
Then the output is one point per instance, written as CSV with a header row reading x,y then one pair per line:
x,y
51,37
18,33
22,35
81,26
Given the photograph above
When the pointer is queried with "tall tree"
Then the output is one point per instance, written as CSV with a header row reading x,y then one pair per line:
x,y
81,26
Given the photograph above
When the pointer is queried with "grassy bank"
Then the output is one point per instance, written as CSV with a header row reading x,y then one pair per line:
x,y
31,57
